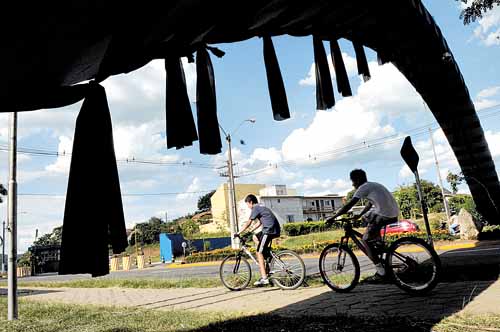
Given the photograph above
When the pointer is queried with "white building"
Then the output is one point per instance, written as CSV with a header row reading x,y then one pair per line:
x,y
290,207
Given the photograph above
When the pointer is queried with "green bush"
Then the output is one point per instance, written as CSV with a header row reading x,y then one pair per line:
x,y
314,247
491,232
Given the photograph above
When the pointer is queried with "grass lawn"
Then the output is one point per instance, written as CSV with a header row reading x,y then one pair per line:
x,y
44,317
312,281
128,283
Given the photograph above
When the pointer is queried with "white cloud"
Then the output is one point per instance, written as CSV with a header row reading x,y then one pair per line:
x,y
488,92
485,98
314,186
191,190
350,65
488,29
332,130
493,140
61,165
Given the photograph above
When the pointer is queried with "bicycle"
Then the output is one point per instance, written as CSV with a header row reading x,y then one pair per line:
x,y
285,268
411,263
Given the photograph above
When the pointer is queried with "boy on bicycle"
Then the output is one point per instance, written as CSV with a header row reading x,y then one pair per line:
x,y
381,210
270,230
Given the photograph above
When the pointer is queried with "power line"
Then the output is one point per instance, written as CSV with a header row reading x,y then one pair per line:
x,y
368,144
41,152
127,194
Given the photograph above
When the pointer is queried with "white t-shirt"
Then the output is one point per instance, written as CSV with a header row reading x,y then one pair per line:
x,y
383,202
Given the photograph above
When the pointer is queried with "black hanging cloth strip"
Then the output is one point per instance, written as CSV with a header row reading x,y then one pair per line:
x,y
324,88
181,130
93,215
275,83
361,61
343,85
206,104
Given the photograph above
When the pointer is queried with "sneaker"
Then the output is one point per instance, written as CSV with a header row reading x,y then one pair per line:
x,y
375,279
380,269
261,282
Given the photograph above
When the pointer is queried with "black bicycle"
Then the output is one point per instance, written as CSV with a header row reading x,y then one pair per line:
x,y
284,268
411,263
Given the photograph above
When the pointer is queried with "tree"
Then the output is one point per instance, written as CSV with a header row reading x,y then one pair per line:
x,y
476,9
190,227
454,180
408,200
52,238
432,195
349,195
466,202
204,202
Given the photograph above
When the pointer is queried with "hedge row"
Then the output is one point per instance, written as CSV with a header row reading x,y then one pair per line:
x,y
315,247
306,227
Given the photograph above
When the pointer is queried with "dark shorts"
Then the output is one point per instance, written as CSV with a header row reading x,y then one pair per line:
x,y
264,242
375,224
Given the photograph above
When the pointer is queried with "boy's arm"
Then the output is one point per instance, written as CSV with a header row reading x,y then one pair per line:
x,y
343,210
245,226
366,209
257,224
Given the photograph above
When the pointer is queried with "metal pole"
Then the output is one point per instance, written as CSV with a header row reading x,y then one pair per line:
x,y
3,267
233,215
423,204
2,259
12,313
446,208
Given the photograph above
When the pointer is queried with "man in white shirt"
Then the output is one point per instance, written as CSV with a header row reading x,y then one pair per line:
x,y
382,209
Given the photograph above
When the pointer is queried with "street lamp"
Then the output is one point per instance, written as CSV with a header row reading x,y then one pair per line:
x,y
233,212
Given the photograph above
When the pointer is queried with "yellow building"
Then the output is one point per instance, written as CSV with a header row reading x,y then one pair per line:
x,y
220,202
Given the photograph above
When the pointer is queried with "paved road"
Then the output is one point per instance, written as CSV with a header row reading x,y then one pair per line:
x,y
479,256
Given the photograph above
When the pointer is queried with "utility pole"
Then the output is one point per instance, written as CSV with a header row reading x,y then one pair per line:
x,y
233,213
12,313
3,266
445,202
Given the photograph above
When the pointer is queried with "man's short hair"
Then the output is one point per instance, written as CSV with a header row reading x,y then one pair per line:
x,y
251,198
358,176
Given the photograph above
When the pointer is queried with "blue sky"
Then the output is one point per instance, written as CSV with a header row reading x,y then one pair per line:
x,y
385,106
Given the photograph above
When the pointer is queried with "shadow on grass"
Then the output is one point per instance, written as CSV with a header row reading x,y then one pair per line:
x,y
27,292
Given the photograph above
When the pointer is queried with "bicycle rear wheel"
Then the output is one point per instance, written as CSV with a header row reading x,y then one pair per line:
x,y
339,268
235,272
414,265
287,270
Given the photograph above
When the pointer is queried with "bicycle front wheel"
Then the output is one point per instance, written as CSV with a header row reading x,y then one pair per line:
x,y
287,270
235,272
414,265
339,268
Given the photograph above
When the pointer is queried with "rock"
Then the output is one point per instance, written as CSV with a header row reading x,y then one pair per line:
x,y
468,228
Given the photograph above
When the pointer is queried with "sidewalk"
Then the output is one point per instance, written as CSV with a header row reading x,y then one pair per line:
x,y
479,297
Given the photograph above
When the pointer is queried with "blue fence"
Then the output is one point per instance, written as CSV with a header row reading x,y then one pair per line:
x,y
211,243
171,245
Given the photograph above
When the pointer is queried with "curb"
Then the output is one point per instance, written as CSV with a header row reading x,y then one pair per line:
x,y
200,264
